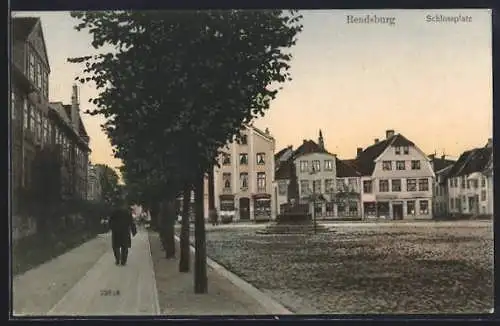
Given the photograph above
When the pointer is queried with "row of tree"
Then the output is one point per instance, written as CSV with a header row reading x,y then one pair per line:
x,y
174,89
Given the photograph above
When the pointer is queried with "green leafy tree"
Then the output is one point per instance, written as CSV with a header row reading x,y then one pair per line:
x,y
173,98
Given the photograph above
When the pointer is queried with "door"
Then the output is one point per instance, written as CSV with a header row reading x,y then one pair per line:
x,y
244,208
397,211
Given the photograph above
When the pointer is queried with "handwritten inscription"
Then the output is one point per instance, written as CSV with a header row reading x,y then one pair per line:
x,y
108,292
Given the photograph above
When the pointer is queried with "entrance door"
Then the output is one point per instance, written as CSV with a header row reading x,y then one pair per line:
x,y
397,211
244,208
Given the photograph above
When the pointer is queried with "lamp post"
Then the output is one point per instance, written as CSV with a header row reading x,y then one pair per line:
x,y
313,173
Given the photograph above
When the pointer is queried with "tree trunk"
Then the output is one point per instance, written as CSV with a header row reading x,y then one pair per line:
x,y
184,242
169,218
212,213
200,262
154,211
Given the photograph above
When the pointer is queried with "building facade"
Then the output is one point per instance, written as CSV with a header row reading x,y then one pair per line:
x,y
94,189
37,129
441,167
397,179
470,183
243,184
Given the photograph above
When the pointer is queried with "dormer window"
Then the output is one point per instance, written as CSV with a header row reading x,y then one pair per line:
x,y
406,150
397,150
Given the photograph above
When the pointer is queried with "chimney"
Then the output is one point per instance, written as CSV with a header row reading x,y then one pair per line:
x,y
389,133
432,156
267,131
376,141
358,151
304,141
75,108
490,143
443,157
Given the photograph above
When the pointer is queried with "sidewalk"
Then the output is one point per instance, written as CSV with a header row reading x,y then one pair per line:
x,y
176,290
108,289
36,291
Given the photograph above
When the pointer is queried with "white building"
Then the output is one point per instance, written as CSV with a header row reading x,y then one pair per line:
x,y
470,182
441,166
397,179
243,184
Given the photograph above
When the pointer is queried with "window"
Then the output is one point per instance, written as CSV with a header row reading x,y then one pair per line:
x,y
386,165
383,185
415,165
13,104
243,159
32,119
26,115
304,166
282,188
261,181
352,182
328,165
261,158
450,183
329,185
400,165
423,184
406,150
226,178
468,184
411,185
316,165
396,185
397,150
244,181
424,207
304,187
483,195
410,207
353,208
317,186
367,186
463,182
474,184
340,184
329,208
244,140
45,84
38,75
31,66
226,159
483,182
452,202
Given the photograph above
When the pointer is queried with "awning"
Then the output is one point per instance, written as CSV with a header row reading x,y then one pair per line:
x,y
226,197
261,196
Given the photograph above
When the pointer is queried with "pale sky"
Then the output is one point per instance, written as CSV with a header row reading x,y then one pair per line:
x,y
430,81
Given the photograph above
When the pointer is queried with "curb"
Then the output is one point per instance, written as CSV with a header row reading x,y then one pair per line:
x,y
155,291
273,306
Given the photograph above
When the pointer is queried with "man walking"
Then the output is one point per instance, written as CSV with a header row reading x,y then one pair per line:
x,y
122,225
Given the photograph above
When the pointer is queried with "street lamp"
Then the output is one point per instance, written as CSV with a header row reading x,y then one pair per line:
x,y
313,195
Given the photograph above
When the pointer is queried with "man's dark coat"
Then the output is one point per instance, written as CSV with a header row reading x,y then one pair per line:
x,y
121,224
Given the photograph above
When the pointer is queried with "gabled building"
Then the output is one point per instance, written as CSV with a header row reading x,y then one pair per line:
x,y
441,166
243,184
470,182
396,178
348,194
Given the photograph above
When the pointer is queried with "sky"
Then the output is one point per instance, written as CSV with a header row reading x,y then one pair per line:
x,y
430,81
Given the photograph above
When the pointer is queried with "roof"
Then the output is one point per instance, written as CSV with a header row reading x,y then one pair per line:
x,y
308,147
440,163
23,26
284,171
345,169
365,162
278,155
82,131
475,160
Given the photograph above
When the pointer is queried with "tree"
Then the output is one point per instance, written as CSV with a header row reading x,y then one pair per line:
x,y
109,183
205,94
